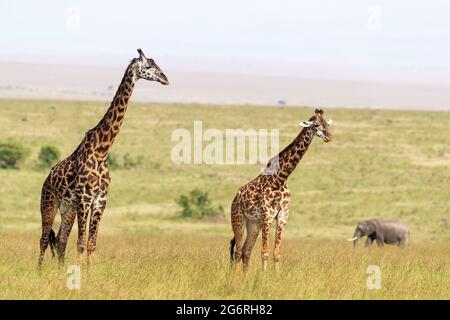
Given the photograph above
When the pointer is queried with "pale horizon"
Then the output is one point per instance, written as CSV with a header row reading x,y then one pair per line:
x,y
356,53
402,41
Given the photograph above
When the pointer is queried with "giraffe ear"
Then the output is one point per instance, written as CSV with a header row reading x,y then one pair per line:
x,y
306,124
141,53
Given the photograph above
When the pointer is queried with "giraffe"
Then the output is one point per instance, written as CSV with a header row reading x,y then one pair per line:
x,y
267,196
78,185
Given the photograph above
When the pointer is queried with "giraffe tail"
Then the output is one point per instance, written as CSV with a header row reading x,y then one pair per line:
x,y
52,242
232,248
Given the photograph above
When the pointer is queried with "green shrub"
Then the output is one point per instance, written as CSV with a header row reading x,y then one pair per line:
x,y
11,154
112,161
197,205
130,162
49,156
126,162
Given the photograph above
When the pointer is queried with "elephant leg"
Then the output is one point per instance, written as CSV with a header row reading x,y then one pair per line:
x,y
369,241
380,241
403,240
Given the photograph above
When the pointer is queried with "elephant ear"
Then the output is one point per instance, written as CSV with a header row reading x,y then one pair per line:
x,y
371,227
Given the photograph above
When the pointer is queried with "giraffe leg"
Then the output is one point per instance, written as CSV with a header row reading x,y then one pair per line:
x,y
67,220
82,215
237,223
265,245
281,224
252,234
48,213
98,208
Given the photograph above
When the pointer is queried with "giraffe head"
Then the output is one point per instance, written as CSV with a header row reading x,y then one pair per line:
x,y
319,125
146,68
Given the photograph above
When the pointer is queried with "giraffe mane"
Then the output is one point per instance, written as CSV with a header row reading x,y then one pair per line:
x,y
282,152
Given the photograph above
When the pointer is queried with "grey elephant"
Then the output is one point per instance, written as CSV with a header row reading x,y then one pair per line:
x,y
381,231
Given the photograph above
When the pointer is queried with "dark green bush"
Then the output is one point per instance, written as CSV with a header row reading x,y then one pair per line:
x,y
197,205
112,161
49,156
131,162
11,154
127,161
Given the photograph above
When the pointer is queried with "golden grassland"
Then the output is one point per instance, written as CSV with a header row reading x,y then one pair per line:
x,y
392,164
197,267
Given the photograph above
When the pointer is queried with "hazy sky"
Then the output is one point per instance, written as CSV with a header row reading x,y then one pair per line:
x,y
389,40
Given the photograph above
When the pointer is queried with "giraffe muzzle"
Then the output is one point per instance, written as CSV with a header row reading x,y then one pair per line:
x,y
327,138
163,79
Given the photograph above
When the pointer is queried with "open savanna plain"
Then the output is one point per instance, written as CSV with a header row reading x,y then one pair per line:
x,y
388,164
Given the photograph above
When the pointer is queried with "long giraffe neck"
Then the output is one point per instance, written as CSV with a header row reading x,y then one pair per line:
x,y
290,156
108,128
